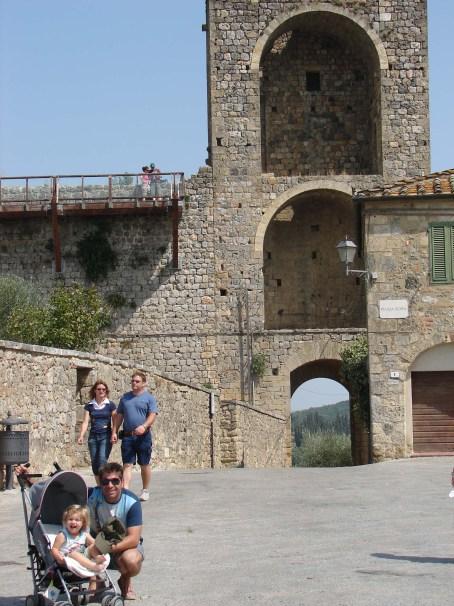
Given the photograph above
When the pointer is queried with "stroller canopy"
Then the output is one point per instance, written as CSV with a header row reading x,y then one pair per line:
x,y
49,499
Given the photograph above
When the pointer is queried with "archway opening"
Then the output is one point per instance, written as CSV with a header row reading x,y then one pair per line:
x,y
321,425
304,283
320,98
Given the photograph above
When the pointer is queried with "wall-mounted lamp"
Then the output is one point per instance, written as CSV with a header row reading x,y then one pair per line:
x,y
347,251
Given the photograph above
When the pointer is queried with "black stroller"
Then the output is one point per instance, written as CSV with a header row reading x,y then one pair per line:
x,y
44,503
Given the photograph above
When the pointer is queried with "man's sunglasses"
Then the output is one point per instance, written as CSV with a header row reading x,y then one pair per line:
x,y
113,481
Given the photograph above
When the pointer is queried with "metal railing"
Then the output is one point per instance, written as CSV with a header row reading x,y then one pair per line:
x,y
74,189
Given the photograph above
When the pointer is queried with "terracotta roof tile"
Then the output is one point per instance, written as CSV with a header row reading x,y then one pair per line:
x,y
435,184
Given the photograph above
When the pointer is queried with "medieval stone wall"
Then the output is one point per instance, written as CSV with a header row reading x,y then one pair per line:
x,y
48,387
253,438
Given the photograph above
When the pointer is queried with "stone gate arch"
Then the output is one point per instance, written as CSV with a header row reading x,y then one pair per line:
x,y
330,368
278,24
304,284
319,70
317,369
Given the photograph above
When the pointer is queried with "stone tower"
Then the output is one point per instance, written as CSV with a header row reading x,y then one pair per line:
x,y
307,101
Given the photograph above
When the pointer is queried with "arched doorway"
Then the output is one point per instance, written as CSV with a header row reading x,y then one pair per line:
x,y
432,397
320,97
330,369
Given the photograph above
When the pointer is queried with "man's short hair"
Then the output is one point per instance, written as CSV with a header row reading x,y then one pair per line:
x,y
110,468
141,374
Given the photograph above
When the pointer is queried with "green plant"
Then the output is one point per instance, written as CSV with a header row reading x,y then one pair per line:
x,y
258,365
96,255
116,301
355,375
78,315
207,385
73,319
14,292
28,324
323,449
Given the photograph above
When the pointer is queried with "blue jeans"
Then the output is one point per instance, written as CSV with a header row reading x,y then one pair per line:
x,y
99,446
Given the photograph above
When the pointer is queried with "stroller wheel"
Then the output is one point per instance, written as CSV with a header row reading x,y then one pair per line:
x,y
108,599
116,600
63,604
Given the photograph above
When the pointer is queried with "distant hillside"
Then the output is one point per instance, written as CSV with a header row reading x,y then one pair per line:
x,y
332,417
329,411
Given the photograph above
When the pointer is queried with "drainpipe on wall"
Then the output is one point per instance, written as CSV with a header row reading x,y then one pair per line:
x,y
212,409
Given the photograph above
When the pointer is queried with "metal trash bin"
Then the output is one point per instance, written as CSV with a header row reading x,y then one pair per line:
x,y
14,446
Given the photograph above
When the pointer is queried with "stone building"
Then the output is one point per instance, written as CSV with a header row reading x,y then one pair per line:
x,y
410,247
308,101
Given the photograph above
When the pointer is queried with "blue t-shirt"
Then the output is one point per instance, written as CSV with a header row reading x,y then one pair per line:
x,y
135,409
128,509
100,418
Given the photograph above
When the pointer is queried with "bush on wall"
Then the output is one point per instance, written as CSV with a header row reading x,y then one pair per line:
x,y
14,292
355,375
73,319
96,255
258,365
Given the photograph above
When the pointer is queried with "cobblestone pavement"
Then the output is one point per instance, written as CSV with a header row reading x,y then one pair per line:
x,y
377,535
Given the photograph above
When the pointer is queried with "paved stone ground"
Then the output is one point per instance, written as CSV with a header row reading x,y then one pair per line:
x,y
377,535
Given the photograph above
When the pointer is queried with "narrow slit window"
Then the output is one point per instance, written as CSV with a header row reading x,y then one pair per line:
x,y
312,81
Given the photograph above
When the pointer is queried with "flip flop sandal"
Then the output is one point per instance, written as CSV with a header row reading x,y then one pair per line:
x,y
127,595
131,595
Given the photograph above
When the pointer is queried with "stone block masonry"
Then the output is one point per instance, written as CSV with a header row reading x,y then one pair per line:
x,y
48,387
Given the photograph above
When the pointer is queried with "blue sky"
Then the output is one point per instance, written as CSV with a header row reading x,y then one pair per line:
x,y
107,85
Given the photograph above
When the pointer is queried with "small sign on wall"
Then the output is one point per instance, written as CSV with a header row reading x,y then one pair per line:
x,y
393,308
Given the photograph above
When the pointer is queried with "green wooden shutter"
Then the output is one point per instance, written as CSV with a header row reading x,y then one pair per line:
x,y
439,252
451,252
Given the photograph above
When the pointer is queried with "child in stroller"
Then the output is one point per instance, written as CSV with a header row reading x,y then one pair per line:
x,y
44,505
74,541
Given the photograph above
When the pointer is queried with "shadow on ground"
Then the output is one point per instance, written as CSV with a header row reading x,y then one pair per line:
x,y
417,559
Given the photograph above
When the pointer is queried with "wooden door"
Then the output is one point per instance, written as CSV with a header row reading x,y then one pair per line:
x,y
433,411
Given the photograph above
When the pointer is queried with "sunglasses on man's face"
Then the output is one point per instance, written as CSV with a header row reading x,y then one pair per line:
x,y
113,481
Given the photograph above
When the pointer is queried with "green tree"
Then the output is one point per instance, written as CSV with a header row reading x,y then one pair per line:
x,y
73,319
15,292
77,316
28,324
323,449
